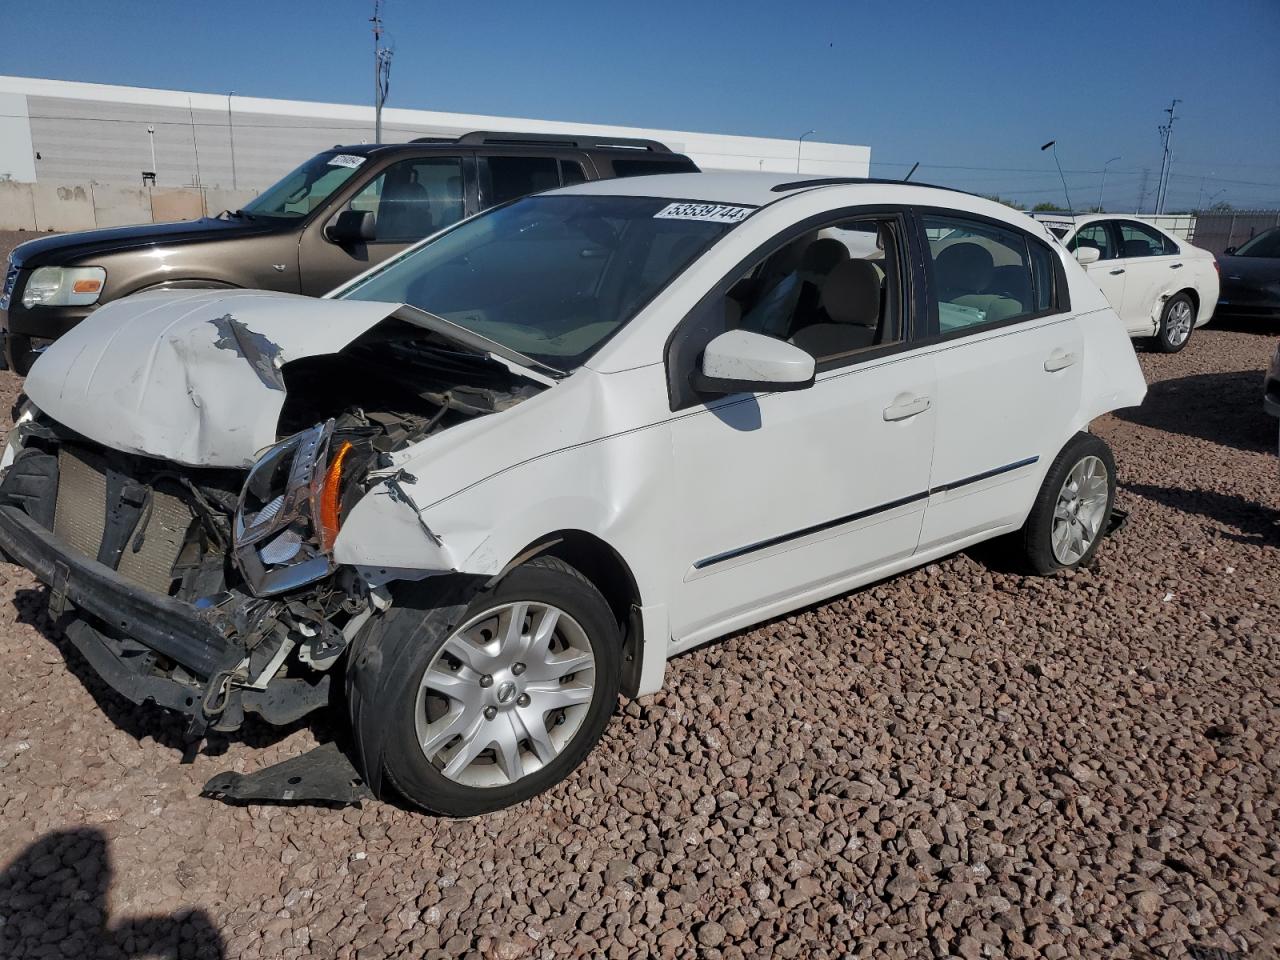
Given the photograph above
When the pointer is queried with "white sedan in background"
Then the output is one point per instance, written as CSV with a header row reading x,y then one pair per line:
x,y
517,468
1161,287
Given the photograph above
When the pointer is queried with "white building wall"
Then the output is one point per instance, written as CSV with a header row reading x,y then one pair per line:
x,y
87,132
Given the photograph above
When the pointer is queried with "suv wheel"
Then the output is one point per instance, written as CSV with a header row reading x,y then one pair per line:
x,y
501,703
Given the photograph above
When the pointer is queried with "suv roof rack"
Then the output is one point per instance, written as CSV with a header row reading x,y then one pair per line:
x,y
492,137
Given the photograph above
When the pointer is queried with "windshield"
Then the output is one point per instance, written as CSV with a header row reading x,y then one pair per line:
x,y
307,187
1266,244
552,277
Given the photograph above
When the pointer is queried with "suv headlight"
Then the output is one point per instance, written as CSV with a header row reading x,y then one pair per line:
x,y
289,512
64,286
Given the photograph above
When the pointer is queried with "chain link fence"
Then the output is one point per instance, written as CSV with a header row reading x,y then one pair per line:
x,y
1217,230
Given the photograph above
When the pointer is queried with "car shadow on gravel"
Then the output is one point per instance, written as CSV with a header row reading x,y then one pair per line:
x,y
54,901
1253,523
1223,408
147,720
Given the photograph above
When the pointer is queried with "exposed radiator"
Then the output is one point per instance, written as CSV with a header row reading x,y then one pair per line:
x,y
80,518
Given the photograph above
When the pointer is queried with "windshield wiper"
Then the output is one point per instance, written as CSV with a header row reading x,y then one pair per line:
x,y
469,338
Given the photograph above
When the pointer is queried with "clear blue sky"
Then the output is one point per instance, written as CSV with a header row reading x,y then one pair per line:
x,y
956,85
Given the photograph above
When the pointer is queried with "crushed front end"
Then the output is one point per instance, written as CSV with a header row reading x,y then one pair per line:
x,y
208,591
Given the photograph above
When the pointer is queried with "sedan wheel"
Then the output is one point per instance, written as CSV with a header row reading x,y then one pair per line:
x,y
466,699
1081,507
1073,508
505,694
1176,324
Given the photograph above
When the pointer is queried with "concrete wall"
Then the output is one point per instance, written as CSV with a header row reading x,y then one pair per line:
x,y
86,206
84,132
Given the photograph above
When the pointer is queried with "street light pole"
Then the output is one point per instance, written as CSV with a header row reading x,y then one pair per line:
x,y
800,145
1065,191
231,130
151,135
1104,180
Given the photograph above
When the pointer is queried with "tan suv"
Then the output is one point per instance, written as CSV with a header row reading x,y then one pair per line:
x,y
335,216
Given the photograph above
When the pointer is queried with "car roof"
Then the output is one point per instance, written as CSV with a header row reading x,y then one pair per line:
x,y
747,188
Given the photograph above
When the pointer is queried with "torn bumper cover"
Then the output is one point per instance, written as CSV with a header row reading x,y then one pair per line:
x,y
149,647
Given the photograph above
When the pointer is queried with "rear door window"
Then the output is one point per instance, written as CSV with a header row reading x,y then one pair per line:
x,y
504,178
983,274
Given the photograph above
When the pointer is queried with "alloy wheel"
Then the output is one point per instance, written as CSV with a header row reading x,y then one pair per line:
x,y
1079,511
1178,323
505,694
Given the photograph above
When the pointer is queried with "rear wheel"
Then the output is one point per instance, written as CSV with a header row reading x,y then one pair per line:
x,y
1073,508
500,704
1176,323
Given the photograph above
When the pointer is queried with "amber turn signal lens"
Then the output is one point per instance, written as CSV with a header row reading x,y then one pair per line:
x,y
330,499
86,286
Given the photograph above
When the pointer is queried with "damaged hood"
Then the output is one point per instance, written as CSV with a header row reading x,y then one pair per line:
x,y
190,376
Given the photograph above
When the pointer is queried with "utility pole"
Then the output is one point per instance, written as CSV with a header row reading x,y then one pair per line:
x,y
1166,161
1142,188
381,70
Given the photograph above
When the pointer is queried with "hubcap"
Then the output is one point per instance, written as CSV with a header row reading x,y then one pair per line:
x,y
1077,516
1179,322
505,694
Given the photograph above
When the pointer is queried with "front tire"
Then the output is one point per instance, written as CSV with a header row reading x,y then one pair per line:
x,y
481,705
1177,320
1073,508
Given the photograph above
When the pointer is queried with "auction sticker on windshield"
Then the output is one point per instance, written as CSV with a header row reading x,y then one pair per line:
x,y
711,212
346,160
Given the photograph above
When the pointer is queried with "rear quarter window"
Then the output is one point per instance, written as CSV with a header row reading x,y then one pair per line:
x,y
628,167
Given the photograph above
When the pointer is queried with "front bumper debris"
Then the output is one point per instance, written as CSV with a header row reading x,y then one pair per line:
x,y
324,775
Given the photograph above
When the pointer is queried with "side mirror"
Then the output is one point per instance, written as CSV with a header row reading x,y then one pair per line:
x,y
739,361
351,226
1087,255
1229,251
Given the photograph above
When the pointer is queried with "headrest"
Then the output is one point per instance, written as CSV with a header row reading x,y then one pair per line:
x,y
821,256
851,294
964,266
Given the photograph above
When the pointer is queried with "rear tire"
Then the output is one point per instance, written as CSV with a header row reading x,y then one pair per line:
x,y
1177,320
468,707
1073,508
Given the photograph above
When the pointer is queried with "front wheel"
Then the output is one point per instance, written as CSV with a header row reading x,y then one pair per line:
x,y
487,705
1073,508
1176,323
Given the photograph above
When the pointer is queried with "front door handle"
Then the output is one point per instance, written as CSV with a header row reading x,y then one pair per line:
x,y
1116,272
906,405
1059,360
1175,266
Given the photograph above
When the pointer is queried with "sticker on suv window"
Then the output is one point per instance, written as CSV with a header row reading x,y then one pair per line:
x,y
711,212
346,160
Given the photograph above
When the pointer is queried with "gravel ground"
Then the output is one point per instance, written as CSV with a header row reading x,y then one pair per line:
x,y
957,762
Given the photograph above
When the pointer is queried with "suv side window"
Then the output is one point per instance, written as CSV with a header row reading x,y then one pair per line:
x,y
504,178
413,198
983,275
1094,235
836,291
1140,240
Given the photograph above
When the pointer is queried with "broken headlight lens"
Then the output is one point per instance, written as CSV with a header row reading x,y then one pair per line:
x,y
280,543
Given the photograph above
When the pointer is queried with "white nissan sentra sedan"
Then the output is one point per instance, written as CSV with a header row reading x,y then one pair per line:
x,y
1162,287
493,482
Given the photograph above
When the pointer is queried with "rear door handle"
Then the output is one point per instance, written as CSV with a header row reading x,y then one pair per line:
x,y
1059,360
1175,266
906,405
1116,272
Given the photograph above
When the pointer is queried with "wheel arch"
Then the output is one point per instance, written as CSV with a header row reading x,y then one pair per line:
x,y
604,566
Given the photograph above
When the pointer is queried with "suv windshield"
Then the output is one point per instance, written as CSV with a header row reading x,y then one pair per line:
x,y
1266,244
552,277
307,187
